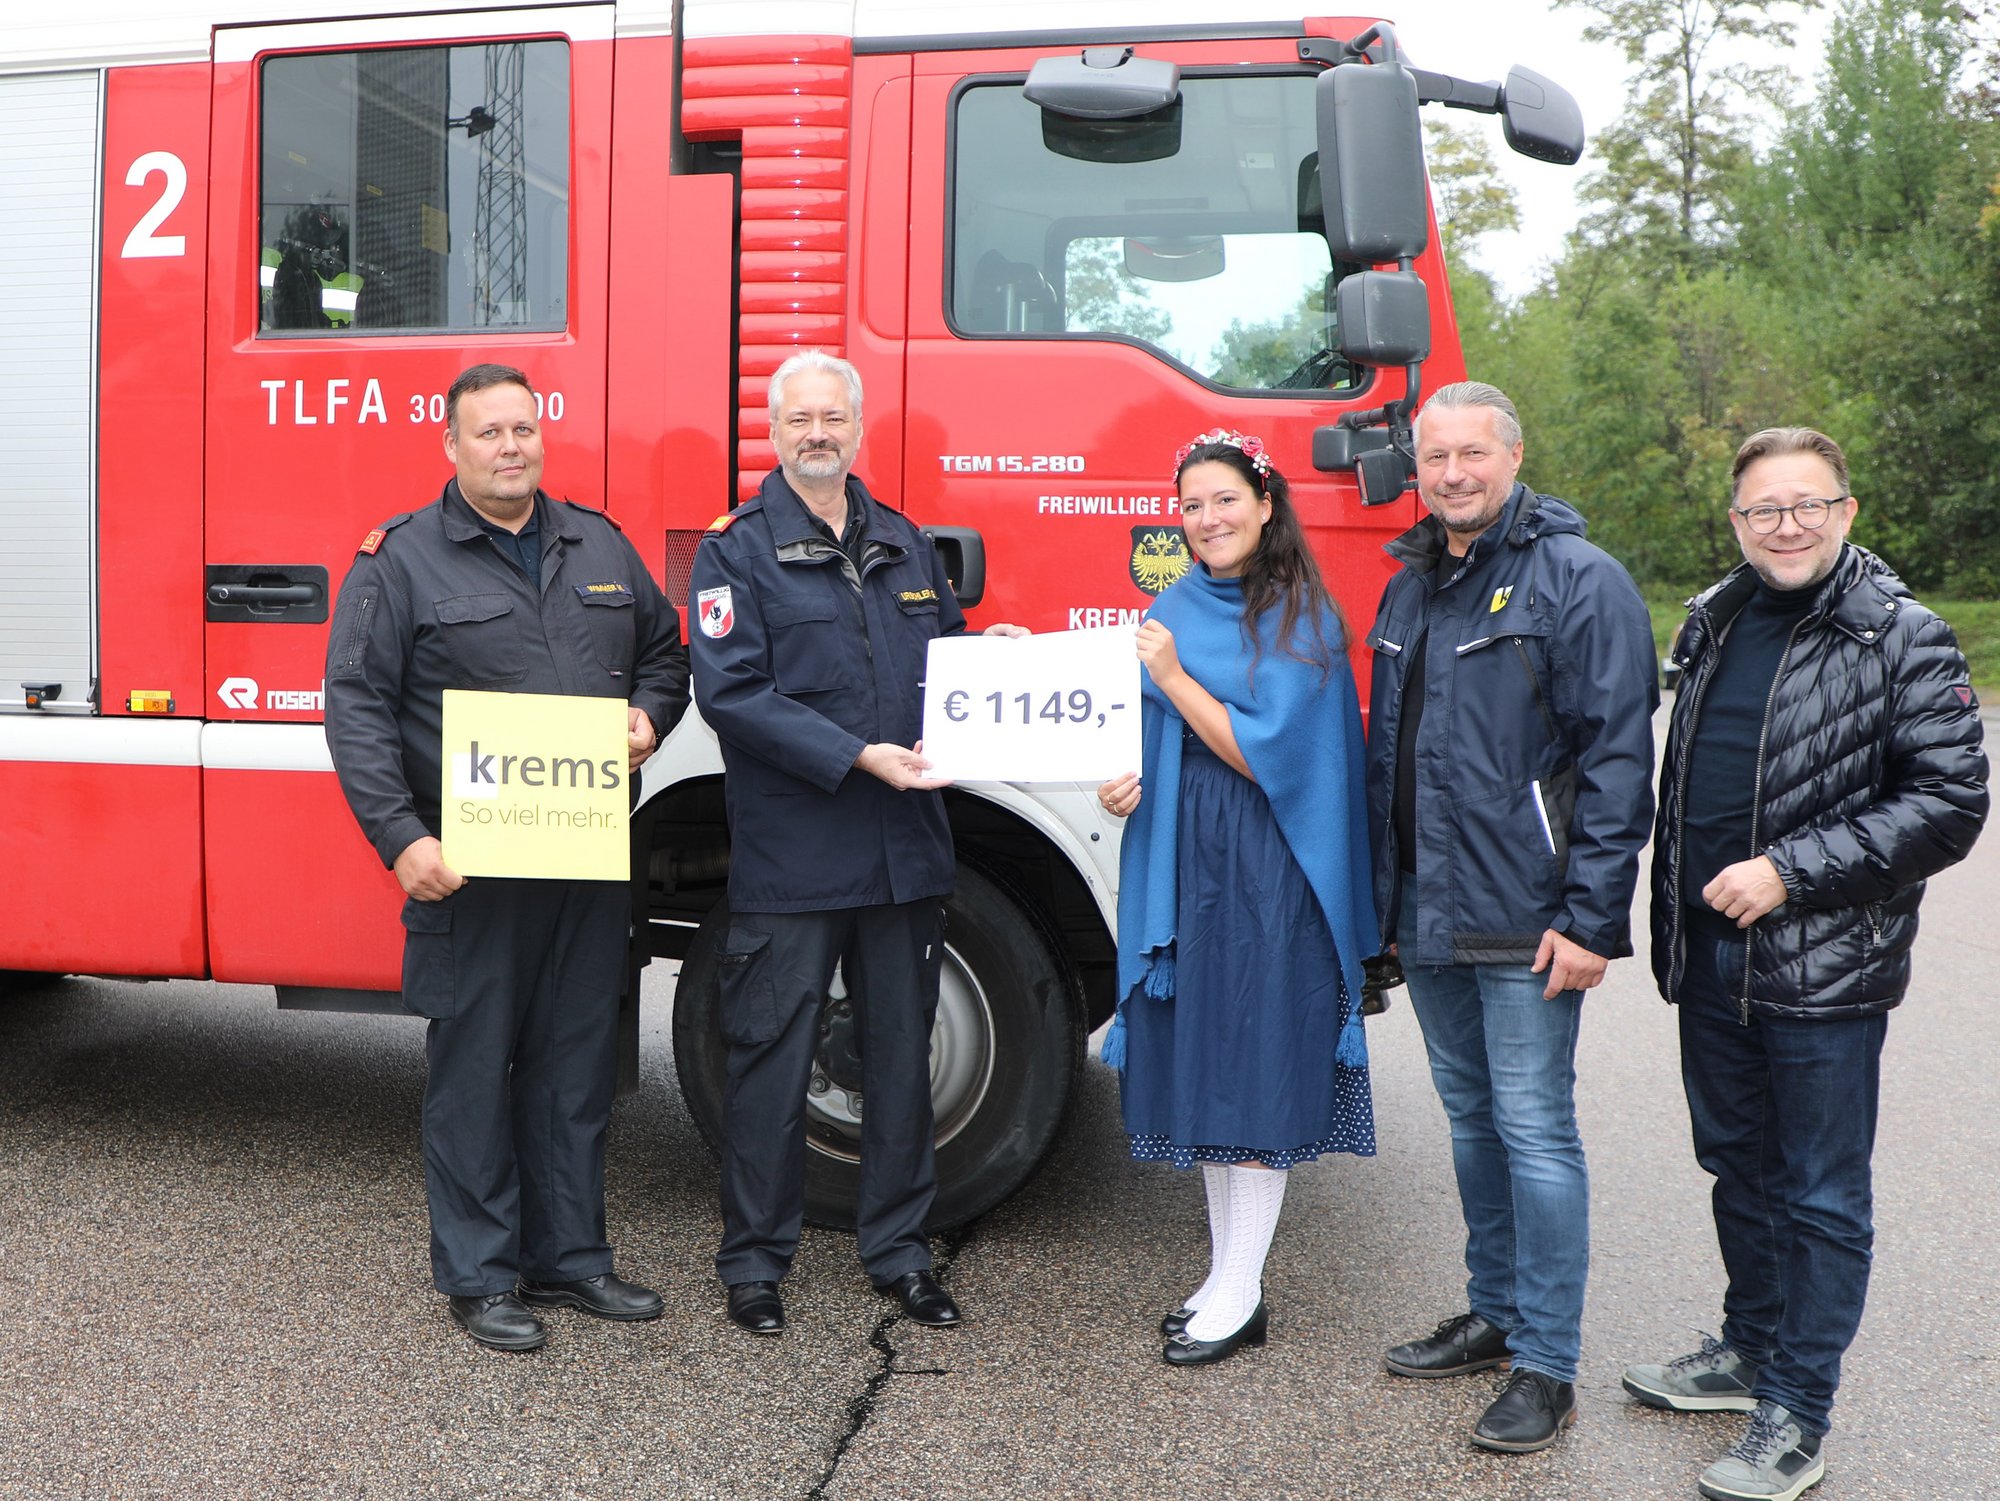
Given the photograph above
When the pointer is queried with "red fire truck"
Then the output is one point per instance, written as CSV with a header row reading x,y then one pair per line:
x,y
248,244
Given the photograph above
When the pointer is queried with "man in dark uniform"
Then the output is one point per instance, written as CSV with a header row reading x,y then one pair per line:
x,y
816,605
496,586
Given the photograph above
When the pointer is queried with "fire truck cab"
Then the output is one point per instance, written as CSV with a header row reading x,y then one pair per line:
x,y
249,244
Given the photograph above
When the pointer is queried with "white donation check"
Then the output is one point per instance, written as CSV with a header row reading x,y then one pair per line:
x,y
1061,707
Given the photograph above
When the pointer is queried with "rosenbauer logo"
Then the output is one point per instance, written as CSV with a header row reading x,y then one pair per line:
x,y
241,693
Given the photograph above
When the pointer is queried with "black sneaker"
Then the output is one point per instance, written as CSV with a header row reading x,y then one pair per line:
x,y
1529,1414
1463,1343
1776,1460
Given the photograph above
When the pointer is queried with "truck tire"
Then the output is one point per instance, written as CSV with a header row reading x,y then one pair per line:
x,y
1006,1047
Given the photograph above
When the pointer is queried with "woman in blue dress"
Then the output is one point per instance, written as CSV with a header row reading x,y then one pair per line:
x,y
1243,890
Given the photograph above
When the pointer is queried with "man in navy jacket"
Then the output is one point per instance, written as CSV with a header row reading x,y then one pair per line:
x,y
1510,791
813,609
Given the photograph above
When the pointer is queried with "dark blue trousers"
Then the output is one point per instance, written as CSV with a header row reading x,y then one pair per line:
x,y
521,980
1784,1118
776,967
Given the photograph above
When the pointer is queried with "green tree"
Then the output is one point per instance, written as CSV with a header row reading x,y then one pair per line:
x,y
1877,214
1472,201
1668,159
1862,164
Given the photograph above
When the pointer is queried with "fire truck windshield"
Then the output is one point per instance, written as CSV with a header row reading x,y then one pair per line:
x,y
1209,249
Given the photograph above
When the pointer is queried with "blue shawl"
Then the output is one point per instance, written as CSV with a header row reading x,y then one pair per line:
x,y
1301,738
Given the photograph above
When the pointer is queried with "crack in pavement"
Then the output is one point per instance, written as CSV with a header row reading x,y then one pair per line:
x,y
862,1407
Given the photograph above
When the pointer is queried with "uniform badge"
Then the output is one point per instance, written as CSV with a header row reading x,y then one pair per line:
x,y
1159,557
716,611
1500,598
371,543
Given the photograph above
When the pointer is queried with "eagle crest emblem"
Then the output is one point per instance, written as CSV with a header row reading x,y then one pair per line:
x,y
1159,557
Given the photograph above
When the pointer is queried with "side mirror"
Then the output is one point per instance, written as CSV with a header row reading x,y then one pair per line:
x,y
1370,454
1371,163
1540,119
1383,318
1384,475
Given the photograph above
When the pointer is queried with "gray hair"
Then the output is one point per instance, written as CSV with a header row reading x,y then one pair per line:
x,y
1773,442
819,362
1475,393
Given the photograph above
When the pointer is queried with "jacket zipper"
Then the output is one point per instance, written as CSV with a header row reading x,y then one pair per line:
x,y
1535,687
1679,967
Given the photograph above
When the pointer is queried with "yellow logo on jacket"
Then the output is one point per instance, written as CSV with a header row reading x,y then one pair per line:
x,y
1500,598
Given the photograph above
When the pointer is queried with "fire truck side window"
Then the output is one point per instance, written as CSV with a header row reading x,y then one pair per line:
x,y
416,189
1196,230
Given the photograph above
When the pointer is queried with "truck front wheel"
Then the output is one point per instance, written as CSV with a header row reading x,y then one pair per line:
x,y
1006,1046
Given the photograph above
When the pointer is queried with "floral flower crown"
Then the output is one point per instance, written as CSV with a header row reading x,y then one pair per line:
x,y
1251,449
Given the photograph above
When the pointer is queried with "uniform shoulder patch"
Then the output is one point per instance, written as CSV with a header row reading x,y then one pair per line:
x,y
372,543
721,524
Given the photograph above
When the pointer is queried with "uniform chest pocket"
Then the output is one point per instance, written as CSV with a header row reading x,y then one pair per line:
x,y
1503,703
611,628
809,648
481,638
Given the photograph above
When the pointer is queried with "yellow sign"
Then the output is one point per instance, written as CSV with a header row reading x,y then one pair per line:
x,y
535,784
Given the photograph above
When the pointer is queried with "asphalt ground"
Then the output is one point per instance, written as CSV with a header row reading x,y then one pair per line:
x,y
214,1283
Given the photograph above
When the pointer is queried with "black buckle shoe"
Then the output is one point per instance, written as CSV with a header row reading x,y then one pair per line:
x,y
500,1321
1529,1414
923,1300
1176,1321
605,1296
757,1307
1184,1349
1460,1345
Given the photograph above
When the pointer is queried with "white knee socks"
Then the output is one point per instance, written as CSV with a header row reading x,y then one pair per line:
x,y
1235,1285
1215,1181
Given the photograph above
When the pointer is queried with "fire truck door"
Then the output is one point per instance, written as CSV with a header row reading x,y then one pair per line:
x,y
1121,285
48,647
395,199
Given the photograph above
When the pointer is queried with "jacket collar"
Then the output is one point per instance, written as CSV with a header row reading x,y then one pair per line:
x,y
461,522
1425,547
1861,596
792,521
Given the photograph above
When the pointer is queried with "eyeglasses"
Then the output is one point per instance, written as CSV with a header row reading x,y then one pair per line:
x,y
1811,514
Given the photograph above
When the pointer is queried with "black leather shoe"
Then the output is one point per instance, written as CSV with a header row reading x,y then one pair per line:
x,y
1529,1414
1462,1343
605,1296
757,1307
923,1300
1184,1349
500,1321
1176,1321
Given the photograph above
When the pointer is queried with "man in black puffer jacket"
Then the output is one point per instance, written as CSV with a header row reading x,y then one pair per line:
x,y
1824,759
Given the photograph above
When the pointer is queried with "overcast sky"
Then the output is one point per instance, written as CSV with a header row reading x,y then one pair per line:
x,y
1480,40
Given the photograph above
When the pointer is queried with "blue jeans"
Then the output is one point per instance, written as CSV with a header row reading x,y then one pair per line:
x,y
1504,1062
1784,1117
